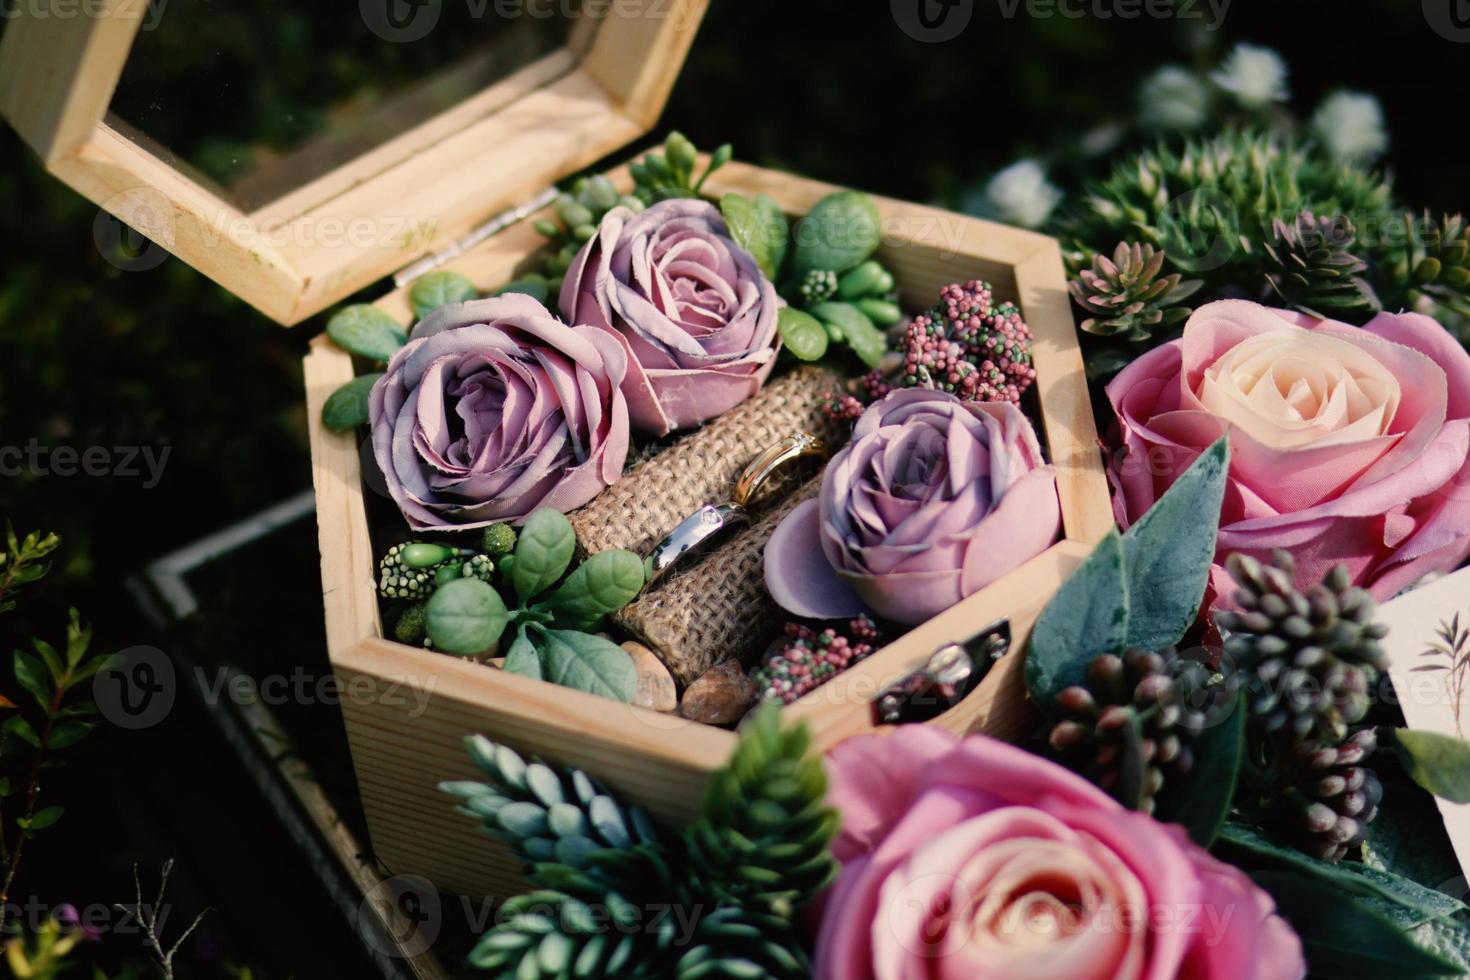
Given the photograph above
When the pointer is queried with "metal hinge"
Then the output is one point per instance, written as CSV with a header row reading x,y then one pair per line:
x,y
496,224
950,673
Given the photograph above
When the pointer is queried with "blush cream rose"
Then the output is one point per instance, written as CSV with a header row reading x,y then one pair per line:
x,y
1348,444
976,859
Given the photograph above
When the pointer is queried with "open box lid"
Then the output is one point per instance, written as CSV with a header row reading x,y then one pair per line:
x,y
305,236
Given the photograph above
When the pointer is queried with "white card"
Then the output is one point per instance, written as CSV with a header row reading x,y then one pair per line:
x,y
1431,676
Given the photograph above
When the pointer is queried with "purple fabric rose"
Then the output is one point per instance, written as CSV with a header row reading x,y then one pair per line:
x,y
496,408
934,499
695,311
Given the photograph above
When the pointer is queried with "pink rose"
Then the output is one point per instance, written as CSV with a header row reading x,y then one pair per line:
x,y
932,500
496,409
975,859
1348,444
694,309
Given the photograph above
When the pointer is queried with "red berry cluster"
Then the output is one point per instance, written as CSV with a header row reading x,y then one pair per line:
x,y
970,347
805,659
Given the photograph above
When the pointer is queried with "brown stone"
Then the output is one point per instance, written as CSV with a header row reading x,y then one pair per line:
x,y
656,688
720,696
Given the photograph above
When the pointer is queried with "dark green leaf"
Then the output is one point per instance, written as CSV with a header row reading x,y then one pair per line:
x,y
759,226
543,552
21,729
1439,763
1168,552
533,286
522,657
43,818
1201,800
603,584
53,661
347,407
1087,616
31,675
1343,939
434,289
466,617
867,341
366,331
588,663
68,733
842,230
803,334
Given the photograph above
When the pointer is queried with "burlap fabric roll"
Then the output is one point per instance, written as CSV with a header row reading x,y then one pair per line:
x,y
717,608
701,468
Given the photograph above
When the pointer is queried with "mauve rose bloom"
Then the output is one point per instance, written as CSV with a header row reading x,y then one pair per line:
x,y
696,312
932,500
1348,444
495,409
976,859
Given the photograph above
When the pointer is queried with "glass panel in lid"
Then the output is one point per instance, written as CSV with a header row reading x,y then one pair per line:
x,y
259,98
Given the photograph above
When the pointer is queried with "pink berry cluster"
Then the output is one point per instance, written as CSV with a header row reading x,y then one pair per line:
x,y
805,659
969,346
840,407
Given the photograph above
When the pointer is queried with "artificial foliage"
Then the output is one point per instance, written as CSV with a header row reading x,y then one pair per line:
x,y
1311,267
599,868
1129,294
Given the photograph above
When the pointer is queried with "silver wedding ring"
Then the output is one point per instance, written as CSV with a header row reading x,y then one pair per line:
x,y
696,532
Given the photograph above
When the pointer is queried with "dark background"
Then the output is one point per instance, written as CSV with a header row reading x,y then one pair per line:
x,y
92,355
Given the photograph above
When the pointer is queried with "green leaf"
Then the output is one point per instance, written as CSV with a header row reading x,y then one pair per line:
x,y
67,733
1088,616
588,663
603,584
1201,800
32,675
842,230
434,289
466,617
533,286
21,729
347,407
802,333
1343,939
53,661
1439,763
43,818
867,341
522,657
1131,770
1168,552
366,331
759,226
543,552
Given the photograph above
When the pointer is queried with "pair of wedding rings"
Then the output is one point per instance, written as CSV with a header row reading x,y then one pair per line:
x,y
700,529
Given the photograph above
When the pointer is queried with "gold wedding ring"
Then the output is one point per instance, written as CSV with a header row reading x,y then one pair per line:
x,y
712,521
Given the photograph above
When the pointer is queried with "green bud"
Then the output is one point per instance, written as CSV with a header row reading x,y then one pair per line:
x,y
548,229
682,155
498,539
411,627
601,194
505,564
861,281
448,573
424,555
881,312
572,214
632,203
584,233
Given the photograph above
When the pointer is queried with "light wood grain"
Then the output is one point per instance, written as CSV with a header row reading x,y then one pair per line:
x,y
664,29
59,66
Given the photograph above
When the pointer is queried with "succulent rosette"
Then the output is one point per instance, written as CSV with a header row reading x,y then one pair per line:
x,y
975,859
495,409
695,311
932,500
1348,444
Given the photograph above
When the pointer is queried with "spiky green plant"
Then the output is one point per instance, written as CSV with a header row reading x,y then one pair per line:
x,y
1312,268
1129,295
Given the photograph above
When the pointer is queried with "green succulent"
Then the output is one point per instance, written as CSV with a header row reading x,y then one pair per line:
x,y
1311,268
1128,295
